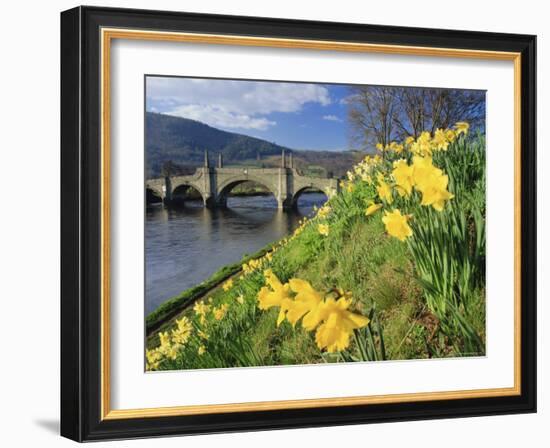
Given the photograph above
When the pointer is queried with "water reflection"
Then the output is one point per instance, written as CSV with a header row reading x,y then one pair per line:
x,y
185,246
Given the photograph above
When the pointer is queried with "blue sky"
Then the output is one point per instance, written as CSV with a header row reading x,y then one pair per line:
x,y
296,115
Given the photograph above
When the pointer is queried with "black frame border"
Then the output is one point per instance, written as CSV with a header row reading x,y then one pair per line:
x,y
81,223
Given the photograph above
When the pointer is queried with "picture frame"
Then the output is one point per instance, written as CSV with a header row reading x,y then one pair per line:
x,y
86,176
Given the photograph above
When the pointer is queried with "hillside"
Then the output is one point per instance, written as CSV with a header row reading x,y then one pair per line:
x,y
181,143
184,141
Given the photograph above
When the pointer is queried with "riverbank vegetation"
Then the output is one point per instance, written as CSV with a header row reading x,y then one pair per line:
x,y
393,267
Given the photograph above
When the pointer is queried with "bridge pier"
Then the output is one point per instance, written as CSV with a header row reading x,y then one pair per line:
x,y
209,202
284,204
167,188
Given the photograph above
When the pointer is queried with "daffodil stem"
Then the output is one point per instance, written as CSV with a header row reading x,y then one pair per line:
x,y
373,344
362,349
381,337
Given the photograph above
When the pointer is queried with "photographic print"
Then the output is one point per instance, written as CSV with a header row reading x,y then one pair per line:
x,y
295,223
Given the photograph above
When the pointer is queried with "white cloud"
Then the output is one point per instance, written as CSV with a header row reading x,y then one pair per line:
x,y
331,118
220,117
231,104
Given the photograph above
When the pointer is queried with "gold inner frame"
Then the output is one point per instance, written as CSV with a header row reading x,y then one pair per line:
x,y
107,35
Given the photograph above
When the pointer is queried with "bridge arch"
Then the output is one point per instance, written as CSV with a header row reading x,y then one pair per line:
x,y
153,195
180,190
305,189
225,187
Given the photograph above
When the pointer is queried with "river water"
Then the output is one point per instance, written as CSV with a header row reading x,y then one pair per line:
x,y
185,246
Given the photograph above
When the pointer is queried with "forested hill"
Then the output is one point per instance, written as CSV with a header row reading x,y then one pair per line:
x,y
183,142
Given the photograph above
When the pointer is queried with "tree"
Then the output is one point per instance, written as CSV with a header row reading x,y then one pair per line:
x,y
371,110
379,114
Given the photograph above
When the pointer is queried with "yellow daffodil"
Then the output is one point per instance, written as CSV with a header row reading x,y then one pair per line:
x,y
167,348
274,294
423,169
331,317
423,144
450,135
380,147
367,178
431,182
324,211
323,229
154,358
435,192
201,308
384,190
305,304
337,324
373,208
462,128
397,225
440,140
181,334
228,285
164,338
396,147
220,311
202,350
240,299
403,175
172,352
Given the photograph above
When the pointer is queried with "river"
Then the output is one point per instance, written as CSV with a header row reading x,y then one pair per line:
x,y
185,246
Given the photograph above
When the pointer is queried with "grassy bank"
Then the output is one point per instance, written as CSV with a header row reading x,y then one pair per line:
x,y
391,268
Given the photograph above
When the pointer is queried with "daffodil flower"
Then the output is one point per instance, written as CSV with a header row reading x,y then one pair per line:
x,y
274,294
440,140
384,190
338,324
373,208
305,304
323,229
220,312
431,182
397,225
227,285
181,334
461,127
403,175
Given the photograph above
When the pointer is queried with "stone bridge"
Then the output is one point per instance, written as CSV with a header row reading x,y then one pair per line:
x,y
215,183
